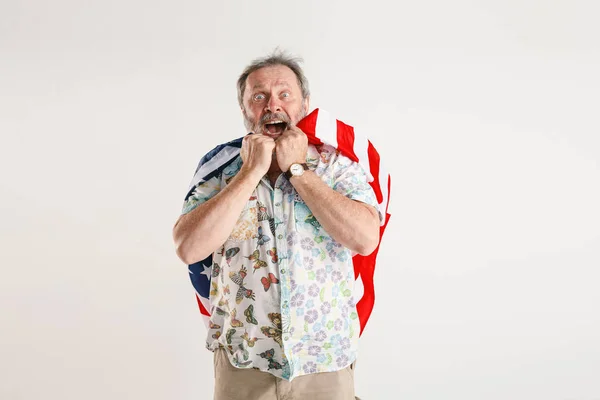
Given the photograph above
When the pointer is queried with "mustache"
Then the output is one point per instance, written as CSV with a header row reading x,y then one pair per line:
x,y
274,116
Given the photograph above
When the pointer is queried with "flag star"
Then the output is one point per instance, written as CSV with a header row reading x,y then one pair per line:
x,y
207,271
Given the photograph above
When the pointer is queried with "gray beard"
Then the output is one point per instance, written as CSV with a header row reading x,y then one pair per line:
x,y
258,128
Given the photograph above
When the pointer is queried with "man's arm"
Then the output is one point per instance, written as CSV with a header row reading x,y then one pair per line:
x,y
200,232
351,223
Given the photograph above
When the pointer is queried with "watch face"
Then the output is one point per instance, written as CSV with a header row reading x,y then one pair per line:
x,y
296,169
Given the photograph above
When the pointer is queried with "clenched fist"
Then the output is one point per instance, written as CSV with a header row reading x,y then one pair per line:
x,y
257,154
291,147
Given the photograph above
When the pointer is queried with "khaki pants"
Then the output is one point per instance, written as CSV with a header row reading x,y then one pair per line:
x,y
233,383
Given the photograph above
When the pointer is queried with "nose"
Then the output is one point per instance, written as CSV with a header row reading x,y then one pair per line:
x,y
273,105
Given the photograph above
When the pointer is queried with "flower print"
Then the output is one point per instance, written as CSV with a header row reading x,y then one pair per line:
x,y
297,347
297,300
351,303
321,358
345,343
342,360
310,303
344,309
335,340
321,275
310,367
336,276
321,336
292,239
326,307
342,256
293,285
313,290
317,326
299,311
337,325
311,316
309,263
307,244
335,290
314,350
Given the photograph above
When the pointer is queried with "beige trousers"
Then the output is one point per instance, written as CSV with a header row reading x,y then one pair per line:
x,y
233,383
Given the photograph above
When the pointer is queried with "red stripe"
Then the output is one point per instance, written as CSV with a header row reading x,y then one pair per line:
x,y
374,167
308,125
345,139
203,310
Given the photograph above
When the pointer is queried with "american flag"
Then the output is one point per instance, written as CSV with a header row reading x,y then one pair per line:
x,y
320,128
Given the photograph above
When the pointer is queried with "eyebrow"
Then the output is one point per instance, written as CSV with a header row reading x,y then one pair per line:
x,y
261,86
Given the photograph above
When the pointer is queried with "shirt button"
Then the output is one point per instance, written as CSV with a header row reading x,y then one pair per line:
x,y
286,338
277,204
285,304
283,271
280,236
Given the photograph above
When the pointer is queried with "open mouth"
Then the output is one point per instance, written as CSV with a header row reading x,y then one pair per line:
x,y
275,127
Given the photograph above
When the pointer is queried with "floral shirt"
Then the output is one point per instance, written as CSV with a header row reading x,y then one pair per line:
x,y
282,288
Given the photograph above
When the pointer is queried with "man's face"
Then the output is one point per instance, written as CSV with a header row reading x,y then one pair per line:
x,y
272,100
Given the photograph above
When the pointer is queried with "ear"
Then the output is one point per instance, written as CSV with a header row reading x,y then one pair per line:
x,y
306,104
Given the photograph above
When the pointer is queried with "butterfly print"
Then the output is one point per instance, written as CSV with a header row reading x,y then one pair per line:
x,y
223,302
250,341
241,364
238,278
249,313
221,312
215,270
262,213
269,355
275,319
216,335
229,335
230,253
273,254
267,281
272,226
257,262
236,323
273,332
262,238
212,325
215,289
226,289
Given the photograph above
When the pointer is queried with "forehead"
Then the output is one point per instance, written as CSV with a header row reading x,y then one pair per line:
x,y
272,76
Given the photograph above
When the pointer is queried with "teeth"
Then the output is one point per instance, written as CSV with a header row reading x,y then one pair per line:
x,y
274,122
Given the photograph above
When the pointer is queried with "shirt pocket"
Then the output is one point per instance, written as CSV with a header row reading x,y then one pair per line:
x,y
246,227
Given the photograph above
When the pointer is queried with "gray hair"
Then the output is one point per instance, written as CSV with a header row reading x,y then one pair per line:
x,y
278,57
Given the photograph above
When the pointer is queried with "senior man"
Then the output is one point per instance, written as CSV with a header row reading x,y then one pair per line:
x,y
282,223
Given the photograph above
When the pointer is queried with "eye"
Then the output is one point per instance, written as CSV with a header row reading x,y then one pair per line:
x,y
259,97
285,94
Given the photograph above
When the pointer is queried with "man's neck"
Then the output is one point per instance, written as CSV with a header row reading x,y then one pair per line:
x,y
274,172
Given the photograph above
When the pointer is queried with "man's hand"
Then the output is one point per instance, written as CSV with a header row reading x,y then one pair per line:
x,y
291,147
257,154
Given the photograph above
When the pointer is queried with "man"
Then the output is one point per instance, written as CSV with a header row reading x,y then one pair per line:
x,y
282,223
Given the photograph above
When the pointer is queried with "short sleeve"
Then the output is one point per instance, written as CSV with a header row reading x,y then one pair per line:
x,y
201,193
350,180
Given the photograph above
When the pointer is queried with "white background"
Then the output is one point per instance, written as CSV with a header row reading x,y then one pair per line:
x,y
486,113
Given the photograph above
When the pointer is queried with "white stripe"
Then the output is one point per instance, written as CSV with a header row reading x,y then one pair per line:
x,y
326,129
361,146
383,184
222,157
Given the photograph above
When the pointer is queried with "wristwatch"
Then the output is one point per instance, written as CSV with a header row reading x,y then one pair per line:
x,y
296,170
